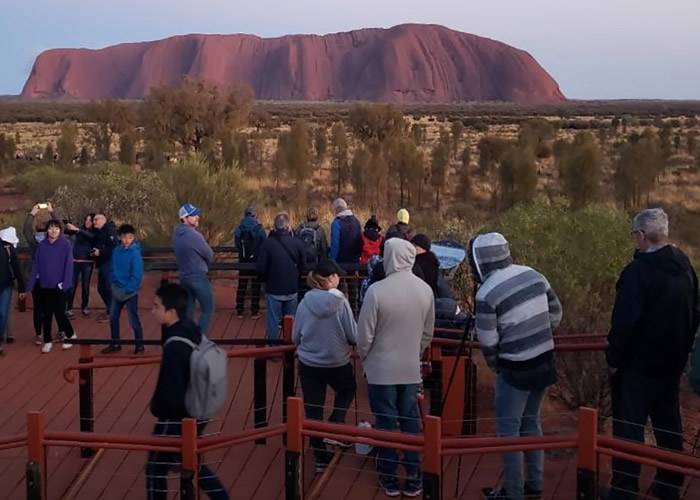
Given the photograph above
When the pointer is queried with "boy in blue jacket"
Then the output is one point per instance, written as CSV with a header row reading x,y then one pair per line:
x,y
127,276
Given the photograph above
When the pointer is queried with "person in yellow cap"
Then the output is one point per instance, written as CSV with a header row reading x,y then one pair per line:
x,y
401,228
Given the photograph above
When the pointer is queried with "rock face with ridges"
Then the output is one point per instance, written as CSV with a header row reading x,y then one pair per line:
x,y
404,64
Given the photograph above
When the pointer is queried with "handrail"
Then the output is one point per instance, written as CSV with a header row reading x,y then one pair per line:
x,y
256,352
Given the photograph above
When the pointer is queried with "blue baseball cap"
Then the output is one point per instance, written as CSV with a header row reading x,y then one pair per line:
x,y
188,210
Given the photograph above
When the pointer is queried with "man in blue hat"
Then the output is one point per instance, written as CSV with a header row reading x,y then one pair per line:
x,y
193,256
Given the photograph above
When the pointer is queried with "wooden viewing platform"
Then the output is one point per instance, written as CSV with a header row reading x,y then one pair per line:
x,y
31,381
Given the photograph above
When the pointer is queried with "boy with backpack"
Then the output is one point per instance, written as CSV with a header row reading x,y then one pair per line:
x,y
248,237
191,383
127,276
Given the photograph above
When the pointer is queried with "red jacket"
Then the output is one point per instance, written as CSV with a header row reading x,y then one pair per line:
x,y
370,247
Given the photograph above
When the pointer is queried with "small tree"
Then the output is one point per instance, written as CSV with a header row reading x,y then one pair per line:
x,y
440,158
464,187
279,161
298,154
67,150
491,149
376,121
358,168
339,154
581,170
127,147
49,152
636,170
691,141
456,130
418,134
84,156
517,176
320,143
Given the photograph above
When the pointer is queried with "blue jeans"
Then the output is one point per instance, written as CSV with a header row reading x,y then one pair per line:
x,y
392,404
5,303
104,284
276,310
132,309
518,414
200,290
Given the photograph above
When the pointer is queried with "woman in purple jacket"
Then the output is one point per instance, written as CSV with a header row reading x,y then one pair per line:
x,y
52,274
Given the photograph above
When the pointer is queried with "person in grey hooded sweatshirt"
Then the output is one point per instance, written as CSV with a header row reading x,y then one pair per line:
x,y
394,329
325,331
193,256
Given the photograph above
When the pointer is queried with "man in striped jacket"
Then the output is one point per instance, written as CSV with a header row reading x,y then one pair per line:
x,y
516,312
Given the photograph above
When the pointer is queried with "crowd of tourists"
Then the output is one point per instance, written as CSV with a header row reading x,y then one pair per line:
x,y
313,275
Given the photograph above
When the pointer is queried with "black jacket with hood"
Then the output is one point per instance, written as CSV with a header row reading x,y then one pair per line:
x,y
168,402
9,267
105,241
656,314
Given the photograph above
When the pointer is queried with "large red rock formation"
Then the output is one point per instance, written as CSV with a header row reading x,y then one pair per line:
x,y
406,63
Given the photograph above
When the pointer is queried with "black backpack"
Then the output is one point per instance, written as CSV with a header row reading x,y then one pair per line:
x,y
249,246
309,237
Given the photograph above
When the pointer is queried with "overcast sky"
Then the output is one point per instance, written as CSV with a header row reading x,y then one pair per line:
x,y
595,49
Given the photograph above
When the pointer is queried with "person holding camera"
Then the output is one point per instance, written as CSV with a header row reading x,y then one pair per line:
x,y
105,242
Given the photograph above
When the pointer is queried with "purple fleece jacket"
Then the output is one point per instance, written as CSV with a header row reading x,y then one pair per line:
x,y
52,264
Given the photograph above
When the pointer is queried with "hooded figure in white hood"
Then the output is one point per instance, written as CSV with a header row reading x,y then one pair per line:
x,y
395,327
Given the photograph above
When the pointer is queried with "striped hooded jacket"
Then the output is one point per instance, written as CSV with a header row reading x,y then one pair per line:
x,y
516,308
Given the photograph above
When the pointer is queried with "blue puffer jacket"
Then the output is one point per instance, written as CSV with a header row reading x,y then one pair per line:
x,y
127,267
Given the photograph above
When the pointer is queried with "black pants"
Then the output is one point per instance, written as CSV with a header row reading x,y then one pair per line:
x,y
248,280
635,399
82,273
37,311
160,463
313,384
104,284
52,303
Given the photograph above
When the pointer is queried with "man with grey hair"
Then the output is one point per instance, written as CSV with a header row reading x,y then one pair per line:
x,y
280,262
654,321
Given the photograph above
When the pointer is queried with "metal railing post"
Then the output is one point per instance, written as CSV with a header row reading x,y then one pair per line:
x,y
295,446
586,480
188,474
85,397
36,462
432,458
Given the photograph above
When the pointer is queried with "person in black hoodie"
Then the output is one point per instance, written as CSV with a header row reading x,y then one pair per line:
x,y
103,246
427,261
82,270
168,401
654,322
281,261
9,273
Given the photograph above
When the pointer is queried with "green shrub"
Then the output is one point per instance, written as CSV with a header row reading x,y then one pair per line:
x,y
41,182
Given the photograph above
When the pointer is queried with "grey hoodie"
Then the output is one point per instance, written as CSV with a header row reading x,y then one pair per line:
x,y
324,329
192,252
396,320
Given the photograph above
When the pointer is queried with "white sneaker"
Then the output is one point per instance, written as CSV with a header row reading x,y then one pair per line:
x,y
46,348
68,346
39,340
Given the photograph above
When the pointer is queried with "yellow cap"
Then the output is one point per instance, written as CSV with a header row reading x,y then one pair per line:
x,y
403,216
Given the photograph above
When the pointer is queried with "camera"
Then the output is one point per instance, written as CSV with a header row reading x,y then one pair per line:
x,y
43,206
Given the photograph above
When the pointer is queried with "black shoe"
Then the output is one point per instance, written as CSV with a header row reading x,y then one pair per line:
x,y
494,494
139,349
111,348
10,339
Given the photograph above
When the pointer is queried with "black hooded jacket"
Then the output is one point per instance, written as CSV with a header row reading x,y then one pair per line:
x,y
656,314
168,402
105,241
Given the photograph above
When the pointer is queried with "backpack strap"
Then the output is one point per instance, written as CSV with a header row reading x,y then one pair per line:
x,y
183,340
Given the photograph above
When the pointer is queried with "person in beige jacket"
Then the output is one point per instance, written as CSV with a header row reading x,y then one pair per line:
x,y
395,327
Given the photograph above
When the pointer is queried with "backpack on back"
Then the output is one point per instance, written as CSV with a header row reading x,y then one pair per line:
x,y
208,387
248,246
309,237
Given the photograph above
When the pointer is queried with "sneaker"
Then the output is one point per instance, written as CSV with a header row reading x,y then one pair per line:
x,y
85,312
103,318
46,347
70,314
38,340
10,339
68,345
111,348
139,349
494,494
391,489
255,315
334,442
412,491
240,315
60,337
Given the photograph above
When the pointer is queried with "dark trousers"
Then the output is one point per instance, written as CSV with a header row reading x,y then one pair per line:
x,y
132,309
313,384
104,284
248,280
635,399
160,463
52,303
82,273
36,311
